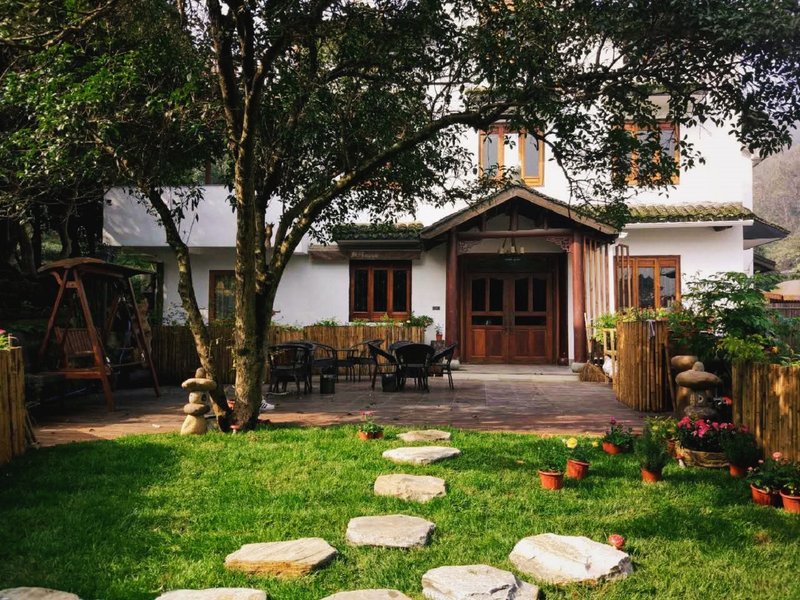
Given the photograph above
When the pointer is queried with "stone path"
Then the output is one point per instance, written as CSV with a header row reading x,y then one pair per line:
x,y
291,558
475,582
416,488
215,594
561,559
35,593
426,435
420,455
369,595
391,531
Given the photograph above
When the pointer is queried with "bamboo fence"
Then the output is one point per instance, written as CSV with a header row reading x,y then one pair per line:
x,y
12,404
642,373
175,356
766,398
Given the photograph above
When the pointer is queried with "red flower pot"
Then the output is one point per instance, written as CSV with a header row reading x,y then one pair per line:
x,y
764,497
651,476
577,469
551,480
610,448
370,435
790,503
737,471
671,448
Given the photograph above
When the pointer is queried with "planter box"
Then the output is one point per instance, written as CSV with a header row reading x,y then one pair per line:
x,y
698,458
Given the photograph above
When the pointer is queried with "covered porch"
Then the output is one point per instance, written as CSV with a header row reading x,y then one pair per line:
x,y
524,273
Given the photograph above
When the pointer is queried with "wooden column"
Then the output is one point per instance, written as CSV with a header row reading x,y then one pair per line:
x,y
451,298
578,297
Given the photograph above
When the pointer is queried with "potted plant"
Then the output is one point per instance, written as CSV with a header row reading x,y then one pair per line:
x,y
617,439
741,450
666,429
768,478
438,333
369,429
577,458
653,455
790,494
551,466
699,442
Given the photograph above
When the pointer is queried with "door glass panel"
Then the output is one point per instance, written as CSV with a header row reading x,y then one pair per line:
x,y
666,281
488,320
399,291
521,294
539,295
360,280
646,285
496,295
478,295
530,321
380,284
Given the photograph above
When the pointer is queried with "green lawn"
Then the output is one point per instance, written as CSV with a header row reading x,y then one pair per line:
x,y
137,516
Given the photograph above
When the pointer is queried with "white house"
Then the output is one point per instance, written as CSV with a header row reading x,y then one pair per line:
x,y
513,278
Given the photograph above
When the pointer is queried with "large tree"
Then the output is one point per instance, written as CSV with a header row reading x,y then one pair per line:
x,y
334,107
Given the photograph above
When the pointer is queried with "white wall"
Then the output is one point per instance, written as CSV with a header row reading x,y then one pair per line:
x,y
428,287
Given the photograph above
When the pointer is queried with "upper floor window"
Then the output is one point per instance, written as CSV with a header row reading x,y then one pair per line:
x,y
380,288
666,134
221,295
501,148
648,281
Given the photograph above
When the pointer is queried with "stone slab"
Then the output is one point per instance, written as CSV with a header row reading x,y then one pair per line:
x,y
424,435
382,594
215,594
391,531
475,582
417,488
561,559
292,558
35,593
420,455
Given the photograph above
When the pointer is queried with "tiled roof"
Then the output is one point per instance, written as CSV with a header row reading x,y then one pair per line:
x,y
377,231
657,213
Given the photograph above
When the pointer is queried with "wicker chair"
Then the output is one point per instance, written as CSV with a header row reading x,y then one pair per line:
x,y
442,360
358,355
413,361
383,363
289,362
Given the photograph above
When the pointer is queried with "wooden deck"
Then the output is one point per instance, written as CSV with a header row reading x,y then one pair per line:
x,y
492,403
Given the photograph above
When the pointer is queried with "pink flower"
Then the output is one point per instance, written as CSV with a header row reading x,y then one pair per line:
x,y
616,540
745,428
760,461
613,421
777,455
727,400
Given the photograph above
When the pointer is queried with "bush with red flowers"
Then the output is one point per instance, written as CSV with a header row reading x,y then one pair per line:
x,y
772,474
702,434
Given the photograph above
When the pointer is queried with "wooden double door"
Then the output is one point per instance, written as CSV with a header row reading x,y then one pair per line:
x,y
510,317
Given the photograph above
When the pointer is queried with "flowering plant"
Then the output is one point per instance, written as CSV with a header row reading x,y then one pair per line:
x,y
367,425
791,484
740,446
702,434
652,451
664,428
577,449
550,457
618,435
773,473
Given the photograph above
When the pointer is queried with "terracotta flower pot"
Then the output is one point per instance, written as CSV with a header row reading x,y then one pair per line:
x,y
764,497
671,448
651,476
737,471
610,448
551,480
577,469
790,503
370,435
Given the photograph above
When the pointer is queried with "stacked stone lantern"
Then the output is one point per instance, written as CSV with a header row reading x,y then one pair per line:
x,y
683,395
699,383
198,388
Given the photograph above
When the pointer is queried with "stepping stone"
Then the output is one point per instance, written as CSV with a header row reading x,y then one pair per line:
x,y
419,488
369,595
391,531
215,594
425,435
475,582
35,593
420,455
562,559
292,558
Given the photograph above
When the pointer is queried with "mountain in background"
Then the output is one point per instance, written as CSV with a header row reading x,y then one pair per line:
x,y
776,197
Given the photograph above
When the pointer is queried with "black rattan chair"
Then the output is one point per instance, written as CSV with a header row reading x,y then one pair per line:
x,y
358,355
399,344
413,361
383,363
289,362
442,360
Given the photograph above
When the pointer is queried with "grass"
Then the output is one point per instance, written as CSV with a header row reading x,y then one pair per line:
x,y
134,517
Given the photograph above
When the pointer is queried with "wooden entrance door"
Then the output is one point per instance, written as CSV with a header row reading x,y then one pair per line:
x,y
510,318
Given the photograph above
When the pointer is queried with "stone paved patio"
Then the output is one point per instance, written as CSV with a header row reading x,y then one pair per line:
x,y
495,400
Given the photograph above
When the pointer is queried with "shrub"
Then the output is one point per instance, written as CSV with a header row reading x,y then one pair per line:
x,y
551,457
773,474
652,451
665,428
618,435
580,450
740,447
702,435
367,425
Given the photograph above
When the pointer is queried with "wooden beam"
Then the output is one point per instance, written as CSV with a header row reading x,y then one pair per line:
x,y
451,289
578,298
511,233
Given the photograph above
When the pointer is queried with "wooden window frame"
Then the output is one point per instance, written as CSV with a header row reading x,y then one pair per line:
x,y
212,284
634,262
502,130
633,129
371,266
